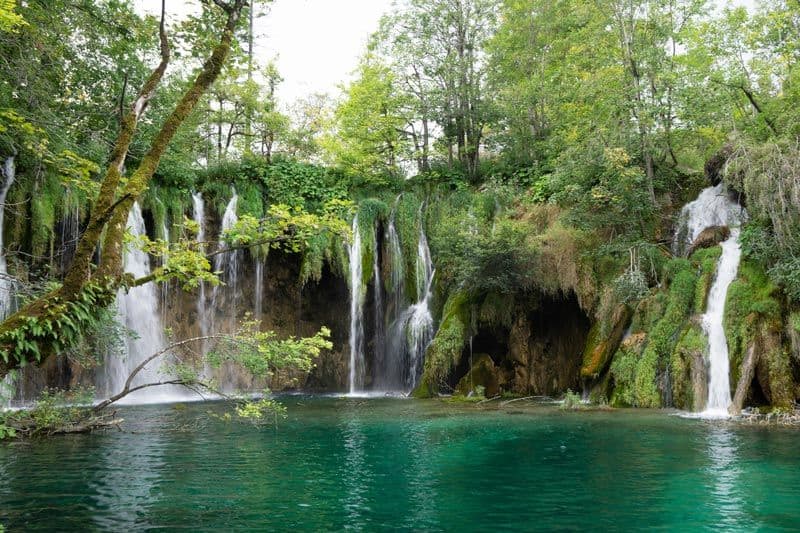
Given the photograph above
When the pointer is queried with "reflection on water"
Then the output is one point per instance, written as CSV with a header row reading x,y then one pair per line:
x,y
724,475
125,481
355,474
384,464
420,471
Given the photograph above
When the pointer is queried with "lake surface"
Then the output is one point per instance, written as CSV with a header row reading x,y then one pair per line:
x,y
379,464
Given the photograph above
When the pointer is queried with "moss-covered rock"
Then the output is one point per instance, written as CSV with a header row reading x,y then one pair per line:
x,y
444,352
751,306
706,259
711,236
623,370
483,373
599,347
688,370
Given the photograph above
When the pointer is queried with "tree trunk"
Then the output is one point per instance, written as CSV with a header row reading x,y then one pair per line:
x,y
50,322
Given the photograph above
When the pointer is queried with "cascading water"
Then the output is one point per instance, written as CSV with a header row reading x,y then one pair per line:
x,y
259,295
398,268
138,311
228,262
411,331
199,217
356,377
6,285
379,337
420,323
713,207
719,392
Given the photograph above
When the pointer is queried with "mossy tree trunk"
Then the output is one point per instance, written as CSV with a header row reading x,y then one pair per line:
x,y
50,321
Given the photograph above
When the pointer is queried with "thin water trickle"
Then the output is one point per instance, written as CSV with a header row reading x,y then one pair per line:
x,y
259,292
6,285
227,263
199,217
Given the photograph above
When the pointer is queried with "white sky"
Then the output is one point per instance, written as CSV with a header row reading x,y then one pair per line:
x,y
316,43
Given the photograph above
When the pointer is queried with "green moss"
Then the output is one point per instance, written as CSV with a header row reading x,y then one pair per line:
x,y
752,301
623,371
371,212
407,222
648,311
44,201
642,390
482,374
706,259
794,321
691,343
251,198
497,309
318,251
445,350
604,339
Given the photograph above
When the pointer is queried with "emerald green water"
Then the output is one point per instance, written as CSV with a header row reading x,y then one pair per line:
x,y
377,464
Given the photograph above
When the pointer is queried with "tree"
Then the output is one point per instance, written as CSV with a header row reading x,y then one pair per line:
x,y
54,319
438,48
369,138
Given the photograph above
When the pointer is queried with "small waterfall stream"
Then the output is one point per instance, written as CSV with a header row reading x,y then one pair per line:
x,y
138,311
259,292
714,207
227,262
199,217
356,375
6,285
411,328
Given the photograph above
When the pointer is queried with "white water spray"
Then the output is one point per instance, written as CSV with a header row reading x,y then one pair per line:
x,y
6,285
356,377
228,262
713,207
719,391
199,217
138,311
259,296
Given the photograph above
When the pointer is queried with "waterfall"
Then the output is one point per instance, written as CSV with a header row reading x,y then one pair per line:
x,y
719,391
356,378
138,312
398,267
379,337
6,284
199,217
412,330
713,207
420,323
259,295
228,262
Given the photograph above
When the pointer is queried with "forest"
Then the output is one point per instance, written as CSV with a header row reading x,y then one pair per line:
x,y
590,202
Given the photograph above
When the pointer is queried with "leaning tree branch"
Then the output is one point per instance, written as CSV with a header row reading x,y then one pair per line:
x,y
105,204
129,387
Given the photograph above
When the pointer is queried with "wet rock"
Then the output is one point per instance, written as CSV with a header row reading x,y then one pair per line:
x,y
709,237
483,373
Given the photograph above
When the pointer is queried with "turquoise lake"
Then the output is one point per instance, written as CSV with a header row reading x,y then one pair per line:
x,y
396,464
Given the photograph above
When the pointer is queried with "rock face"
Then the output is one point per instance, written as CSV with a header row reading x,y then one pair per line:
x,y
286,308
544,348
483,373
711,236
